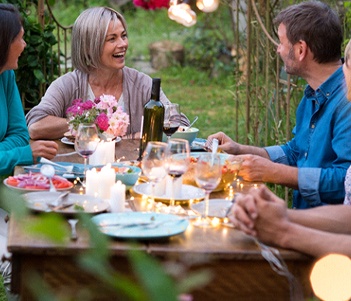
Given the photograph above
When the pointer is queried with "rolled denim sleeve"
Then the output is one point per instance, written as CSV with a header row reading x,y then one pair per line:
x,y
308,181
276,154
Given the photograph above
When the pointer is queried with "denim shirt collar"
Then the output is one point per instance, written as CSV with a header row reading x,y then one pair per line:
x,y
324,91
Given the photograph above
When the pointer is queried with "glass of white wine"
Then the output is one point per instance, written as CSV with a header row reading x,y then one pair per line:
x,y
177,162
153,164
208,172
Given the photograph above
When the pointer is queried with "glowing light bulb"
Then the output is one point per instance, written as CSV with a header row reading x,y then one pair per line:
x,y
330,278
183,14
207,6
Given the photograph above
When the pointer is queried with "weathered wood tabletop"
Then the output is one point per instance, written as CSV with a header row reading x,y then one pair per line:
x,y
239,270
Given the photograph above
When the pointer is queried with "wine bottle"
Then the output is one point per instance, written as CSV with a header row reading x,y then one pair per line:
x,y
152,122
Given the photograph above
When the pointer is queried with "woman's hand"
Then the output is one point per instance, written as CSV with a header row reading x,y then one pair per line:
x,y
43,148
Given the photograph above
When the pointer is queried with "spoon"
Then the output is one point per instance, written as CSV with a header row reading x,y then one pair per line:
x,y
68,168
48,171
191,124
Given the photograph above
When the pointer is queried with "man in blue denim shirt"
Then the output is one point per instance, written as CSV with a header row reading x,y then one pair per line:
x,y
315,161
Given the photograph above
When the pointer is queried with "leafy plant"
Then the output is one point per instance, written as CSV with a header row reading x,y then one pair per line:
x,y
38,64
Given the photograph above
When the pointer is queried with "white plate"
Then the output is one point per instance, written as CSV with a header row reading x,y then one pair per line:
x,y
188,192
65,140
171,225
38,201
216,207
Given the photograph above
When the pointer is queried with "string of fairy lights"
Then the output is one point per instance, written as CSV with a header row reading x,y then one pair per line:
x,y
181,12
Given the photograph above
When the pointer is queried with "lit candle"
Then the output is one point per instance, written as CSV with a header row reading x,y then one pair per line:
x,y
107,178
91,181
118,197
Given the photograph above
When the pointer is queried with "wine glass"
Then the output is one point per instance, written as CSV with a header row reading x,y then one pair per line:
x,y
171,121
208,172
177,161
153,164
86,142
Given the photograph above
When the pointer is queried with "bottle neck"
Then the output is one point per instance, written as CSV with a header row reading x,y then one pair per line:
x,y
155,92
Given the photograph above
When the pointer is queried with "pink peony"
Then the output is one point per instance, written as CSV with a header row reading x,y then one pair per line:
x,y
102,122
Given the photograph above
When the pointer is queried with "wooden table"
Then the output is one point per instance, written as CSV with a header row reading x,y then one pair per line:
x,y
239,271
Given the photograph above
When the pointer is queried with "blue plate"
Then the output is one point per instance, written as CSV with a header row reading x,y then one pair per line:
x,y
198,145
170,225
78,169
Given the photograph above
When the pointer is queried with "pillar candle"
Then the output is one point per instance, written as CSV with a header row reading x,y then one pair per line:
x,y
107,178
104,153
118,197
91,181
174,186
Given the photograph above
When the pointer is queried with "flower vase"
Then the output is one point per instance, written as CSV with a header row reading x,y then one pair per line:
x,y
104,153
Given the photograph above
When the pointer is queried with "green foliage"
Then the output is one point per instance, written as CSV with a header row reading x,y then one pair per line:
x,y
38,63
208,47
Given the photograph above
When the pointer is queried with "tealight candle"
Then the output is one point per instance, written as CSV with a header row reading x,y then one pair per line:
x,y
118,197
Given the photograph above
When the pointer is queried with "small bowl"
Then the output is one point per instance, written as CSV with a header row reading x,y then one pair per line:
x,y
127,174
189,134
230,170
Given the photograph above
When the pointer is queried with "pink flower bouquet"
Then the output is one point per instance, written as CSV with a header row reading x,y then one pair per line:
x,y
104,111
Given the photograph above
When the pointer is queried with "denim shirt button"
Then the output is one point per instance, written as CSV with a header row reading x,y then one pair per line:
x,y
305,154
312,125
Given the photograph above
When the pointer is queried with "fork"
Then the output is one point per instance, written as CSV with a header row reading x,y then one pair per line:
x,y
73,223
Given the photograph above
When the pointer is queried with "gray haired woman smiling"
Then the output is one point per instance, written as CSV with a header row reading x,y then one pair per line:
x,y
99,47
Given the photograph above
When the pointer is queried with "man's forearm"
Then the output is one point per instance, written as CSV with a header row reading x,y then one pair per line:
x,y
315,242
253,150
283,175
332,218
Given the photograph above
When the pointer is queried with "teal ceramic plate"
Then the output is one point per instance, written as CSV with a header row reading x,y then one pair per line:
x,y
78,169
169,225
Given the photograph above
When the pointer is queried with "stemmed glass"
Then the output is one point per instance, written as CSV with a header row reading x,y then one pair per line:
x,y
153,164
208,172
171,121
86,142
177,161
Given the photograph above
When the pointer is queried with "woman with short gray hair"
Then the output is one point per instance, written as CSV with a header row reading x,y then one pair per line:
x,y
99,47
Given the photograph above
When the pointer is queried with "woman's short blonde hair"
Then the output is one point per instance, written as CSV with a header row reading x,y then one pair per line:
x,y
88,36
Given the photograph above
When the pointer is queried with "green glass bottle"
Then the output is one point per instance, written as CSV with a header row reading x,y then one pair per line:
x,y
152,123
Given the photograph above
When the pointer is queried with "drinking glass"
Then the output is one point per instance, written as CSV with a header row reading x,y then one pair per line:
x,y
86,142
153,164
171,121
208,172
177,161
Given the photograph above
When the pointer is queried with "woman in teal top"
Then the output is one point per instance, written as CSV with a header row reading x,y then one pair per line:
x,y
14,138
